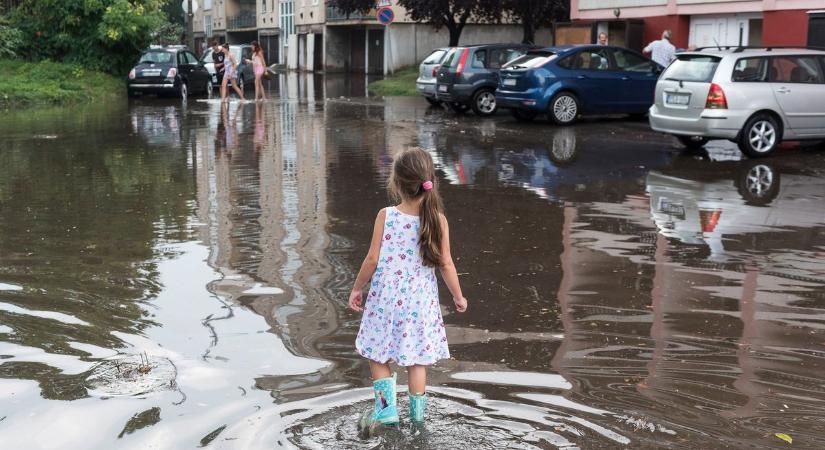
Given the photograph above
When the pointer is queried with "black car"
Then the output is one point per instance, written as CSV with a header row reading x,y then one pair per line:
x,y
171,70
468,76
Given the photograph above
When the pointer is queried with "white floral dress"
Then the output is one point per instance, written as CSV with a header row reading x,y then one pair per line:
x,y
402,317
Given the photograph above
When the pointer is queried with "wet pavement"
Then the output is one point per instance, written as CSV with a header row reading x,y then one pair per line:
x,y
175,276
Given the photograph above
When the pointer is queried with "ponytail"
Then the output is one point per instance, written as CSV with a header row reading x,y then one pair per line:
x,y
431,233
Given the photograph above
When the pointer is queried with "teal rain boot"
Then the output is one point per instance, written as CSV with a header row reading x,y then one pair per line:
x,y
386,409
418,403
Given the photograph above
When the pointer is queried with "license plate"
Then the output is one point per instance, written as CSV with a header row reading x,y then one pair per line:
x,y
150,73
677,99
509,81
442,88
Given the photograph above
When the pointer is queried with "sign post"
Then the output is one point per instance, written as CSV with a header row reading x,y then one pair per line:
x,y
386,16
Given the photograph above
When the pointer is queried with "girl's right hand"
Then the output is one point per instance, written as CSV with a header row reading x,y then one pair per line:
x,y
460,304
355,301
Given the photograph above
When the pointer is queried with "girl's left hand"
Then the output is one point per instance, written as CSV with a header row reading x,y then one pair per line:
x,y
355,301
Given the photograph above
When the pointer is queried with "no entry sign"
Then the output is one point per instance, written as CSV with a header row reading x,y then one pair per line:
x,y
385,16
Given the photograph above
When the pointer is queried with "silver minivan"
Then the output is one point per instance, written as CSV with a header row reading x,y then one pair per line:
x,y
754,97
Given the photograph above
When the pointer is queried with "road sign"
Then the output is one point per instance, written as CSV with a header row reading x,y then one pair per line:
x,y
385,16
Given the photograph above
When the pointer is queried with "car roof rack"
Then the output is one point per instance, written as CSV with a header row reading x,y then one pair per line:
x,y
741,48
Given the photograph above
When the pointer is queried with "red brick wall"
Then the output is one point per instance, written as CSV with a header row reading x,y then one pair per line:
x,y
788,27
680,25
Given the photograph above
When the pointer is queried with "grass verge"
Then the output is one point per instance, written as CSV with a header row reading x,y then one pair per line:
x,y
52,83
402,83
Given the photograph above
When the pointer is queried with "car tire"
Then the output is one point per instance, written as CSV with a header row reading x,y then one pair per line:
x,y
131,94
523,116
757,183
484,103
432,101
183,90
564,108
458,108
692,142
760,136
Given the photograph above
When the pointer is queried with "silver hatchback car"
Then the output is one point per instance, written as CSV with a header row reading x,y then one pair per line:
x,y
754,97
427,74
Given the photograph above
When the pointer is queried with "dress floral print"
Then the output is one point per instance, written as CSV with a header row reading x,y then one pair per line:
x,y
402,317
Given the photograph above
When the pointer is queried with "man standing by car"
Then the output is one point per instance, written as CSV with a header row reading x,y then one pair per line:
x,y
218,57
602,38
662,51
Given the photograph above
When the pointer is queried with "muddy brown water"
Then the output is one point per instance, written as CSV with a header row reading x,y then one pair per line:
x,y
623,293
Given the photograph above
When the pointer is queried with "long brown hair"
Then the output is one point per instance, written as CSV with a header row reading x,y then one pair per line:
x,y
256,48
410,170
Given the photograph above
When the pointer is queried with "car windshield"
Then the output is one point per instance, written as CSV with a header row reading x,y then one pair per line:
x,y
156,57
699,68
435,57
530,60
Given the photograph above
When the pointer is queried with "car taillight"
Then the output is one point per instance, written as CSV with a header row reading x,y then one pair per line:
x,y
132,74
462,61
716,98
435,71
172,73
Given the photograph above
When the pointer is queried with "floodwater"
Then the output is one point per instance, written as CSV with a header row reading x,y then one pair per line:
x,y
175,276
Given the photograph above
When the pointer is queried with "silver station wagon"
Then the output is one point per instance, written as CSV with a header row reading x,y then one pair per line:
x,y
754,97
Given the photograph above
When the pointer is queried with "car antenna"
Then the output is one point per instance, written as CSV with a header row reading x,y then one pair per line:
x,y
718,47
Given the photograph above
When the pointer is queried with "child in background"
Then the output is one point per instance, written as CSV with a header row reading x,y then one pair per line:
x,y
402,318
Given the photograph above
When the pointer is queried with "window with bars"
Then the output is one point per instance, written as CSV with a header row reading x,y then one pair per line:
x,y
287,16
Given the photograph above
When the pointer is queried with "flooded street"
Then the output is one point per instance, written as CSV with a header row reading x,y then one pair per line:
x,y
174,276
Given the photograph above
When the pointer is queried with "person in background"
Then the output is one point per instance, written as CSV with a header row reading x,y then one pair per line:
x,y
662,51
218,59
602,38
204,46
259,68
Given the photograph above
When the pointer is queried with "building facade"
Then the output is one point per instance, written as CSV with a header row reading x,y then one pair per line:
x,y
699,23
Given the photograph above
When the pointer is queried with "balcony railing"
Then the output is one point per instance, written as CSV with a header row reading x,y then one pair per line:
x,y
244,19
334,14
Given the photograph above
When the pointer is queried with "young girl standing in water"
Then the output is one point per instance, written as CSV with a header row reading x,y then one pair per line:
x,y
402,317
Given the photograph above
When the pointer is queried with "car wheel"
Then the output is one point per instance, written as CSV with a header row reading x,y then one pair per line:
x,y
760,136
484,103
131,94
432,101
692,142
458,108
183,90
564,108
758,183
523,116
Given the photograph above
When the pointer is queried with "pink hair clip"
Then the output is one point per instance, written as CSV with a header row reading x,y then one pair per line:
x,y
427,185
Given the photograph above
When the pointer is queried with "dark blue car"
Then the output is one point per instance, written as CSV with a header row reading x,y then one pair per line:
x,y
567,82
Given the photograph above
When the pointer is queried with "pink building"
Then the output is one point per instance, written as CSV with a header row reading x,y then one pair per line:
x,y
698,23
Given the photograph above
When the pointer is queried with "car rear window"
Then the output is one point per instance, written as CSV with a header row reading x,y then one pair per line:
x,y
452,58
699,68
435,57
530,60
157,57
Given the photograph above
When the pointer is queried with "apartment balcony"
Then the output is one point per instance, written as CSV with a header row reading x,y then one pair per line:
x,y
245,19
336,15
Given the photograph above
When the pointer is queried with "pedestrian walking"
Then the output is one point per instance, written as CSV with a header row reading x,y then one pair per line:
x,y
259,68
402,320
662,51
218,61
230,74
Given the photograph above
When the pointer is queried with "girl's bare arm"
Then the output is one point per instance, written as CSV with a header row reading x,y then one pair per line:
x,y
448,272
371,260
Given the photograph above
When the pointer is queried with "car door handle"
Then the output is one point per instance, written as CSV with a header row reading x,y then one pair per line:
x,y
582,77
625,78
783,90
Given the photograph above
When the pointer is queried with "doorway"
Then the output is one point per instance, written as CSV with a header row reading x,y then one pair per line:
x,y
376,51
729,30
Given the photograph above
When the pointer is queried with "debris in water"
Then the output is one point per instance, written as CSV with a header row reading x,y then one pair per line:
x,y
784,437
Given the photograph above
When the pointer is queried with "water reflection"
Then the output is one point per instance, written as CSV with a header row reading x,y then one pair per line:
x,y
624,294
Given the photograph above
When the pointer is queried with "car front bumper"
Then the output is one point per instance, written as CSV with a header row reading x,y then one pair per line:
x,y
711,123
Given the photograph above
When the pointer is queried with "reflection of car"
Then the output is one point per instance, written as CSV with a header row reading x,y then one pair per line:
x,y
468,76
241,53
707,207
427,72
168,70
565,82
754,97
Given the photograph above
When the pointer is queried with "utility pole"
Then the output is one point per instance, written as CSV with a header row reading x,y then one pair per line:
x,y
190,27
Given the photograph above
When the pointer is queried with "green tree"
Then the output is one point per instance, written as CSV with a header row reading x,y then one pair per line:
x,y
534,14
